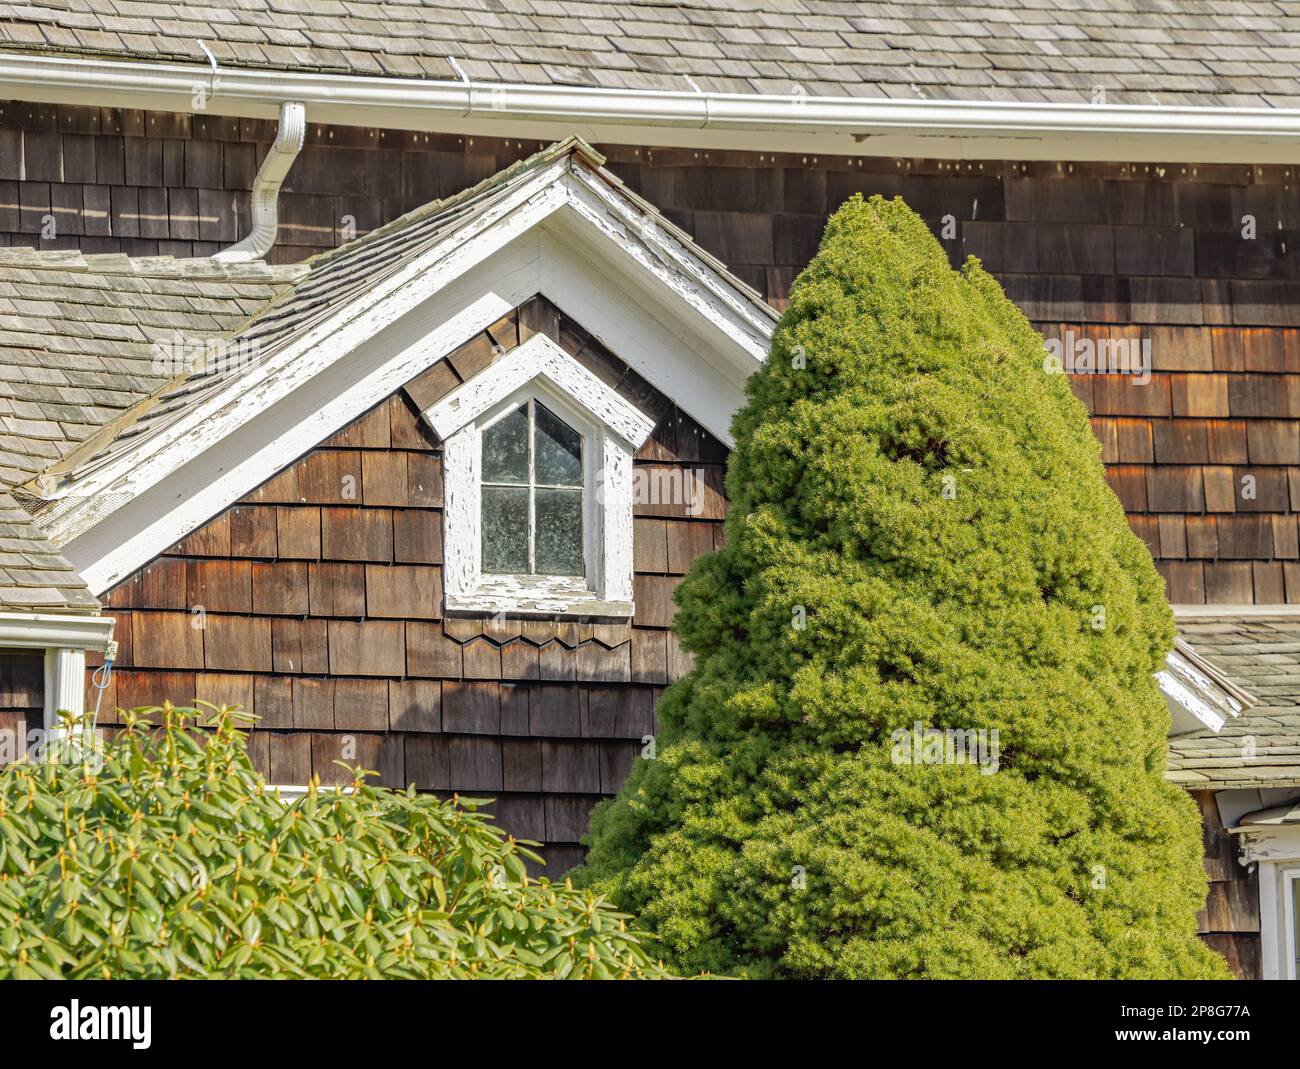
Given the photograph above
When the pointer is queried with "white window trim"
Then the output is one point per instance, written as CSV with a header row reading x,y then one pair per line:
x,y
1288,879
1275,851
613,430
1277,919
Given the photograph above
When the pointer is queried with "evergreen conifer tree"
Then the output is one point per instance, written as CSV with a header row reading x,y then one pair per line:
x,y
920,542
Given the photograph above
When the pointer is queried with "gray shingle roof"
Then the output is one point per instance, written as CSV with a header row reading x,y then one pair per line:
x,y
1261,747
79,337
1240,53
34,576
77,352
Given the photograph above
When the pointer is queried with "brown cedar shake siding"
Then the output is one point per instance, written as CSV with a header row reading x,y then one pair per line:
x,y
22,700
295,583
1229,923
316,603
1096,250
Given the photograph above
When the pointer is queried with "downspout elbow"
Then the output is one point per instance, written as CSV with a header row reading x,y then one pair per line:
x,y
288,143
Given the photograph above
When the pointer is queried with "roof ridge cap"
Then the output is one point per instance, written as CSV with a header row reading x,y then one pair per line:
x,y
573,145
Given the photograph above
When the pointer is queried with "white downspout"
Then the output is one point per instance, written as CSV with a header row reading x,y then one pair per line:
x,y
67,685
266,188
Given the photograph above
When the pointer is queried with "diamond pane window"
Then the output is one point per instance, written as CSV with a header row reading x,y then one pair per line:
x,y
532,502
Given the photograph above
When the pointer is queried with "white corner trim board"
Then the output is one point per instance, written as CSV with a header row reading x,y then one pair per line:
x,y
790,122
612,430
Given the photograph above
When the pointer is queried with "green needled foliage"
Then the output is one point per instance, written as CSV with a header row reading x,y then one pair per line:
x,y
920,535
166,856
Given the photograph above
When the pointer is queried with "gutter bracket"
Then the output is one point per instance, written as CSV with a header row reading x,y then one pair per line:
x,y
284,150
704,122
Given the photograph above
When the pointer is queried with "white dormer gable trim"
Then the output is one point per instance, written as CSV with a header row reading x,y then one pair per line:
x,y
612,431
563,229
539,357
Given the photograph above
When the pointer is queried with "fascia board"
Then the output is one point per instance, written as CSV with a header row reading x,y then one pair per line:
x,y
232,464
327,342
644,237
734,346
651,344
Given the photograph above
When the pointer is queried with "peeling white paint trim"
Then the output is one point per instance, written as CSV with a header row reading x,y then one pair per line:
x,y
695,348
612,430
237,448
652,247
328,342
539,357
617,528
623,315
231,464
1183,697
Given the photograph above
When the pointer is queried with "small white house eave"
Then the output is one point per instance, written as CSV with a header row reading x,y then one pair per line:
x,y
20,630
64,639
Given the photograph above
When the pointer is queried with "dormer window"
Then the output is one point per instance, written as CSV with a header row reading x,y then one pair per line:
x,y
538,474
532,500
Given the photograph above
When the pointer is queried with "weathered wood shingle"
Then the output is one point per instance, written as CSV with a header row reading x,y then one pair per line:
x,y
1031,50
321,613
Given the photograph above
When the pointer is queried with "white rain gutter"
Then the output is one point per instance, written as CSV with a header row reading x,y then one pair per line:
x,y
798,122
266,187
41,630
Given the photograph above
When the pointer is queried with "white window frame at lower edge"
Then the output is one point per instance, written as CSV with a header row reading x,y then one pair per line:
x,y
612,431
64,639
